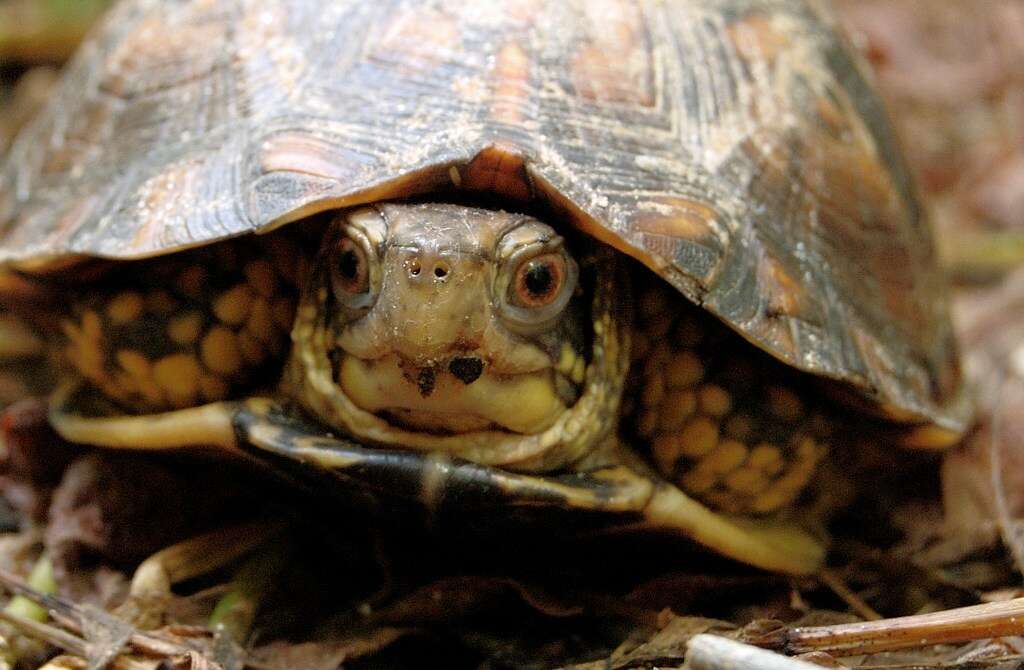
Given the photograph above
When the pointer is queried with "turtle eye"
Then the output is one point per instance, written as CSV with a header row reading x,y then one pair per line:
x,y
350,271
538,281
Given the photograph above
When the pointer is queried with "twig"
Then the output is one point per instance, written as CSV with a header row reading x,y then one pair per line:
x,y
45,632
72,616
964,624
711,652
831,580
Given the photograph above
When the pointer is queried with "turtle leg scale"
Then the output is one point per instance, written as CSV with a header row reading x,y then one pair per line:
x,y
731,427
191,328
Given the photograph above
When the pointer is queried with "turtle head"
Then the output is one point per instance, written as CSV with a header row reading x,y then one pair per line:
x,y
450,328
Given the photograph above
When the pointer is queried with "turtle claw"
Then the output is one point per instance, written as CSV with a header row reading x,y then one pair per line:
x,y
150,591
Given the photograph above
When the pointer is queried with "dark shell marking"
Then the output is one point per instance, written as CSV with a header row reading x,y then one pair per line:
x,y
733,146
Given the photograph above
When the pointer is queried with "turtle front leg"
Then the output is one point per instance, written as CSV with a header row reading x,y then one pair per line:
x,y
613,482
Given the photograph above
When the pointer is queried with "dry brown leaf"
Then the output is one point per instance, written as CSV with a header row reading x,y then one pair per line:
x,y
326,654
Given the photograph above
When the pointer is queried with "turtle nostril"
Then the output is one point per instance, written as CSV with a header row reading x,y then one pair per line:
x,y
441,271
467,369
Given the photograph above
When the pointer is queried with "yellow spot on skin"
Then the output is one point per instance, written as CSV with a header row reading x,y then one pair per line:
x,y
178,375
714,400
728,456
784,404
92,326
698,481
283,312
772,499
185,329
261,277
807,450
213,388
252,351
566,359
780,493
684,370
191,281
220,351
784,489
747,481
698,438
666,450
676,408
579,370
84,350
125,308
134,363
261,323
767,458
232,306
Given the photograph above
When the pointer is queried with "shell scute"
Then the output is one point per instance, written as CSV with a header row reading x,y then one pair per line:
x,y
733,146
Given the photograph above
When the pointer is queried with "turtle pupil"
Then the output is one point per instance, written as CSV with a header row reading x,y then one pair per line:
x,y
348,265
539,279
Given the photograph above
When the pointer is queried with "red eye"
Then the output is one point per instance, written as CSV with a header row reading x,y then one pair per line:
x,y
538,281
350,268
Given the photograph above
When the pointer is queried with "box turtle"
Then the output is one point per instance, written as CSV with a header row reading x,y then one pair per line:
x,y
650,259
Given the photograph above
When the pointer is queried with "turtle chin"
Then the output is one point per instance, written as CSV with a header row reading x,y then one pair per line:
x,y
446,400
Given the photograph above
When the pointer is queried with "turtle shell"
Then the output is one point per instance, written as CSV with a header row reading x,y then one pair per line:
x,y
734,147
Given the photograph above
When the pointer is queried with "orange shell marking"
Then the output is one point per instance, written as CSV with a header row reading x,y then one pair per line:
x,y
500,170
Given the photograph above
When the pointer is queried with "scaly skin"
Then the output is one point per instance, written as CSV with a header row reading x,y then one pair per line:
x,y
187,329
730,426
443,364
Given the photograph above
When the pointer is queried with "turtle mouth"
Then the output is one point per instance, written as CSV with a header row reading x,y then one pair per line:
x,y
461,395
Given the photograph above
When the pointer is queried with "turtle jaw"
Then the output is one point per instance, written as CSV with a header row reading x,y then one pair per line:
x,y
434,399
575,432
